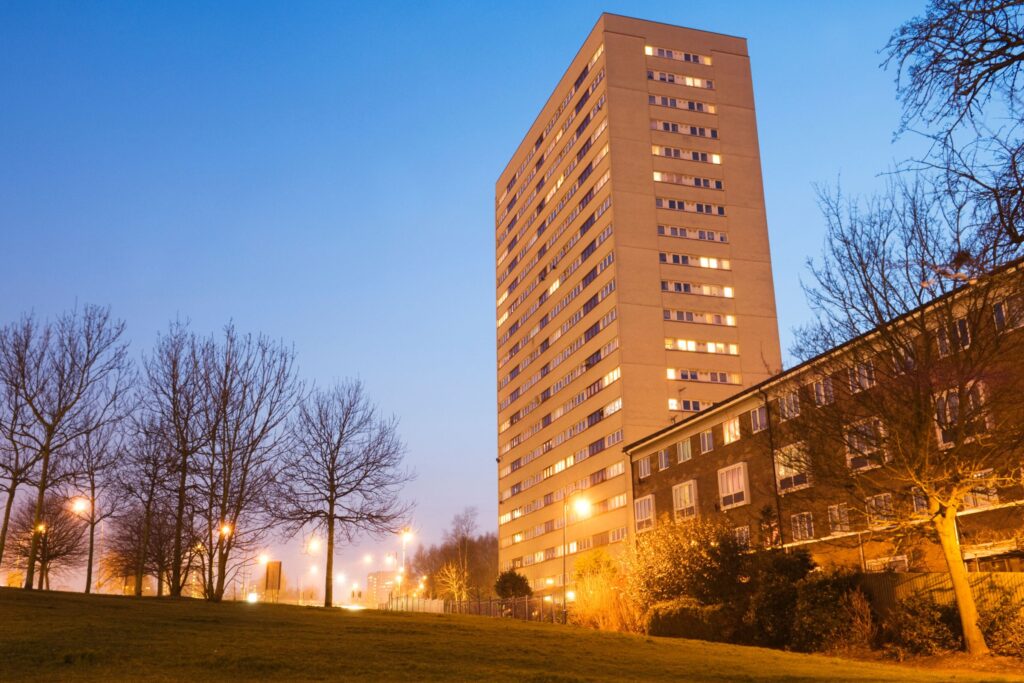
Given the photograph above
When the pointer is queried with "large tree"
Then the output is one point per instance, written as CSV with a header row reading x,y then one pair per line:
x,y
70,377
251,387
926,403
53,538
344,472
95,455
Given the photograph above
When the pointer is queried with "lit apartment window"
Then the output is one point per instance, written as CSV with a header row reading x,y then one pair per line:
x,y
683,451
679,79
684,499
862,376
644,468
678,55
823,394
643,512
732,486
685,405
789,405
702,347
803,526
698,317
759,419
685,154
791,468
664,458
742,535
731,430
688,180
880,510
956,336
707,441
839,518
1009,314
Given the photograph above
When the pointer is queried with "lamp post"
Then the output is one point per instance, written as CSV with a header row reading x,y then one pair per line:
x,y
580,506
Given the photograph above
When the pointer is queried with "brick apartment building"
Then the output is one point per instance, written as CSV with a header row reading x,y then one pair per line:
x,y
735,463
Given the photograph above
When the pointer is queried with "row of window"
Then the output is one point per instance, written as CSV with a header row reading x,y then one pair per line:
x,y
678,55
687,180
556,496
686,154
686,105
686,405
680,79
693,233
723,348
690,207
696,288
591,449
694,261
733,491
700,318
710,376
684,129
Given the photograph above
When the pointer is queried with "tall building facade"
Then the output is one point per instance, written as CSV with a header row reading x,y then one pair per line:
x,y
634,282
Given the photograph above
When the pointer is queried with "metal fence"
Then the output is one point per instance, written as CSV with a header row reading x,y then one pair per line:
x,y
989,588
527,609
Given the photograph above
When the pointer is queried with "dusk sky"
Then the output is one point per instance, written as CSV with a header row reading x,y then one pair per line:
x,y
324,173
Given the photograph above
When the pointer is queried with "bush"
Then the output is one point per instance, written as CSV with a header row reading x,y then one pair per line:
x,y
1003,627
772,591
687,618
601,599
831,614
512,584
920,626
696,559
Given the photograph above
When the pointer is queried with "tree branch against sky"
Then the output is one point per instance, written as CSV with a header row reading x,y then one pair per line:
x,y
344,473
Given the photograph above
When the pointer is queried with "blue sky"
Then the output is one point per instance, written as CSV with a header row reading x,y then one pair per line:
x,y
324,173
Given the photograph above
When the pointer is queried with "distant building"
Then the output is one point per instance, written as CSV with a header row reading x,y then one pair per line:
x,y
379,587
734,463
634,282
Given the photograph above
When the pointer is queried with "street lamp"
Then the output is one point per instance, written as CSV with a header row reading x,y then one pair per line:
x,y
79,505
581,506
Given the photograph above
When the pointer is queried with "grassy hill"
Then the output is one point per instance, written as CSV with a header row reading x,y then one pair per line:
x,y
62,636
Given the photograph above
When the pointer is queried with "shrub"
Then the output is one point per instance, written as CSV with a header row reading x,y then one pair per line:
x,y
920,626
831,614
688,618
512,584
1003,626
772,590
697,559
601,599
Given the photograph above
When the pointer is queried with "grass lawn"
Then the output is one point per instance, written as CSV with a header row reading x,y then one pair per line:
x,y
62,636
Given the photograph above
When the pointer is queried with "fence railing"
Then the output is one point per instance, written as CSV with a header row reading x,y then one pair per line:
x,y
524,608
989,588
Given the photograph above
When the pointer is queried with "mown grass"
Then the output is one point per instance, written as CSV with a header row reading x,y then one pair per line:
x,y
69,637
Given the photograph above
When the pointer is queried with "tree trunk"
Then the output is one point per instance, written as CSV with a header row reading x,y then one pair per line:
x,y
222,569
37,519
179,526
945,527
329,574
140,566
7,517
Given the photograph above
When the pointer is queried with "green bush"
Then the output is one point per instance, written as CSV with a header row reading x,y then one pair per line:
x,y
1003,627
920,626
831,614
772,594
688,618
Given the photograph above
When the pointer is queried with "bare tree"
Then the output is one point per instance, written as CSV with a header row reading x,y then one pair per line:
x,y
18,461
250,388
345,471
922,404
174,402
53,537
141,544
95,455
959,70
71,376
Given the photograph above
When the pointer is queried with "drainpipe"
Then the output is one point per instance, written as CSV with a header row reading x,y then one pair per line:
x,y
771,450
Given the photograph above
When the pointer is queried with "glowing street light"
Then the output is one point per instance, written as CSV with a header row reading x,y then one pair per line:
x,y
368,558
264,559
312,569
79,505
339,578
314,545
41,528
225,530
252,598
581,506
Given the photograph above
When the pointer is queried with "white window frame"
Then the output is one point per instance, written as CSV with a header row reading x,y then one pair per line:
x,y
644,467
871,506
679,491
789,476
759,419
733,503
789,405
707,441
664,459
684,450
862,376
647,521
839,518
823,393
802,524
731,431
